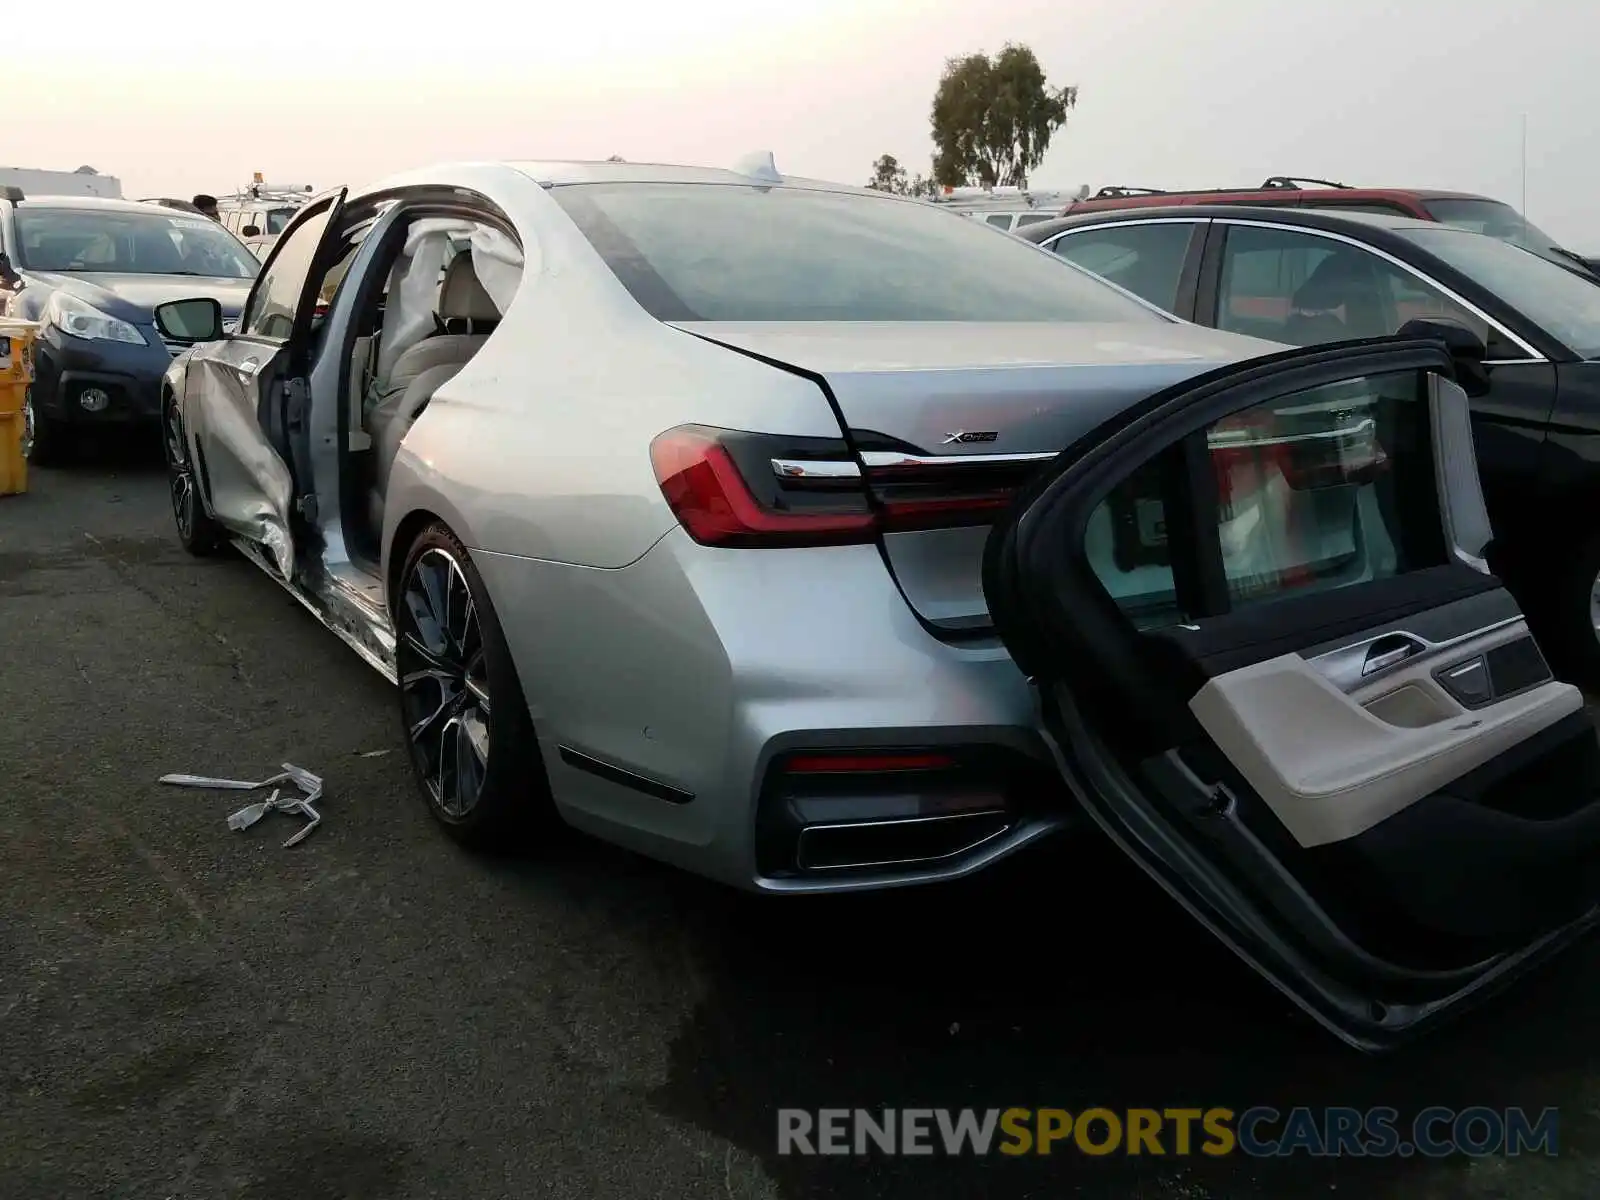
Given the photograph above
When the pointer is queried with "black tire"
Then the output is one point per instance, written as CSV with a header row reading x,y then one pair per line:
x,y
46,441
462,710
1574,608
199,533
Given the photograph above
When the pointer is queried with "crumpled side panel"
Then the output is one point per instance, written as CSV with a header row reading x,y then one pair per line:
x,y
251,488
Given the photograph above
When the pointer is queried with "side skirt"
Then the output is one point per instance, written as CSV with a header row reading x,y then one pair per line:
x,y
343,607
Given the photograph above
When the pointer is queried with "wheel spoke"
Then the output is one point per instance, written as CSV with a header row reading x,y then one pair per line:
x,y
183,503
437,663
475,731
442,713
450,768
470,758
425,605
439,677
435,594
459,618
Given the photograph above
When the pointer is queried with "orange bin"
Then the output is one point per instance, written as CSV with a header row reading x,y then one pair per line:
x,y
16,373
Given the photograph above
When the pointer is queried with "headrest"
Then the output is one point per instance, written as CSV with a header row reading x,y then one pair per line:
x,y
1333,280
461,295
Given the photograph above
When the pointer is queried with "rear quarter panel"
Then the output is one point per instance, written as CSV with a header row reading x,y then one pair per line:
x,y
539,447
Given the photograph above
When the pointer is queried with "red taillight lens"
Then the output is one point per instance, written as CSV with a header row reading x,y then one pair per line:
x,y
945,512
938,492
730,488
718,506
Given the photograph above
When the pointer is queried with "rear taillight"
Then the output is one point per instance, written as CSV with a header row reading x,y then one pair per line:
x,y
713,480
730,488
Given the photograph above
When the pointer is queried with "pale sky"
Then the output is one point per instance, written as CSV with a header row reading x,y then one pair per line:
x,y
180,99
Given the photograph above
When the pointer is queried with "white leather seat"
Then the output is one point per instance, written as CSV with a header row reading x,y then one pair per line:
x,y
420,371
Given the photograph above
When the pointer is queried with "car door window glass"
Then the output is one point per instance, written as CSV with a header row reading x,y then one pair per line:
x,y
1001,221
1319,489
278,291
1288,286
1146,259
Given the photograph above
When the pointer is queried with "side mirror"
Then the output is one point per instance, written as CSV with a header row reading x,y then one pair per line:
x,y
198,320
1465,346
250,231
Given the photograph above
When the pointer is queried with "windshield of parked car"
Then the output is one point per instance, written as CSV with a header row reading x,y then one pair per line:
x,y
160,242
1492,217
1564,304
729,252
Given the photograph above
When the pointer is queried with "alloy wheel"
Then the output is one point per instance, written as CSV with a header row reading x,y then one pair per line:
x,y
180,477
444,683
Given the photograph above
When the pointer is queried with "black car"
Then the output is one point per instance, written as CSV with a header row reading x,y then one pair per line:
x,y
91,271
1302,278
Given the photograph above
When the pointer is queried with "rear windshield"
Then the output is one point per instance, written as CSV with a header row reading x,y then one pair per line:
x,y
730,252
1563,303
1492,217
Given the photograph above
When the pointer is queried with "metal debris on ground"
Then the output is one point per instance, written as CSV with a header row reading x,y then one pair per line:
x,y
310,786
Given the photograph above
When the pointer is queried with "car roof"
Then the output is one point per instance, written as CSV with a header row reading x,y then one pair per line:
x,y
93,203
1308,217
557,173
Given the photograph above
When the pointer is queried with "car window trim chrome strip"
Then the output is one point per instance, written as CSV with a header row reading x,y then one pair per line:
x,y
1050,242
888,460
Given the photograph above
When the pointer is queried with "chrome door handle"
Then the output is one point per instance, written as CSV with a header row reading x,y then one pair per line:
x,y
1389,650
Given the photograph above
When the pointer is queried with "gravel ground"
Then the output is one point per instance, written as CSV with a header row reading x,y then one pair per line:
x,y
186,1011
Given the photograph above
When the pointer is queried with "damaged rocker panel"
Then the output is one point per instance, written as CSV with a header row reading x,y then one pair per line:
x,y
357,619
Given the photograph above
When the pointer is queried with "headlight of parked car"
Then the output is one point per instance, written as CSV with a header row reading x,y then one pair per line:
x,y
77,319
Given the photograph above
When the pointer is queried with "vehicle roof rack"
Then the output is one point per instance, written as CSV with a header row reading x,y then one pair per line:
x,y
1116,190
259,190
1293,182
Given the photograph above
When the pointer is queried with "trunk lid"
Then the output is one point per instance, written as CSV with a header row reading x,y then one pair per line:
x,y
936,389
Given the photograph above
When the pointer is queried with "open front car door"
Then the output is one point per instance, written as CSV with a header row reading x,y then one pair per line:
x,y
1276,670
247,396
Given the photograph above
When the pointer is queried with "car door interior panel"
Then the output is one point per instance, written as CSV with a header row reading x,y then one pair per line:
x,y
1331,766
1275,667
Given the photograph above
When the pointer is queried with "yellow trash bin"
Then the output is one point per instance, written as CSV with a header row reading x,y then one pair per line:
x,y
16,373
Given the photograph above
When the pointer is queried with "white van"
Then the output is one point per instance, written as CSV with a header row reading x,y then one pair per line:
x,y
1007,208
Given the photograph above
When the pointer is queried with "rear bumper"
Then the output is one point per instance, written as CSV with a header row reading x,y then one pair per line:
x,y
129,375
667,695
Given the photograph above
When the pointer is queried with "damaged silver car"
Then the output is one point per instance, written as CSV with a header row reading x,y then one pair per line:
x,y
817,540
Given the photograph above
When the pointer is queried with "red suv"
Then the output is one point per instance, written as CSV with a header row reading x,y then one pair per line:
x,y
1480,214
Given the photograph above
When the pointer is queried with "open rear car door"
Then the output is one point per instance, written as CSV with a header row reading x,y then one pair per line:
x,y
1276,670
